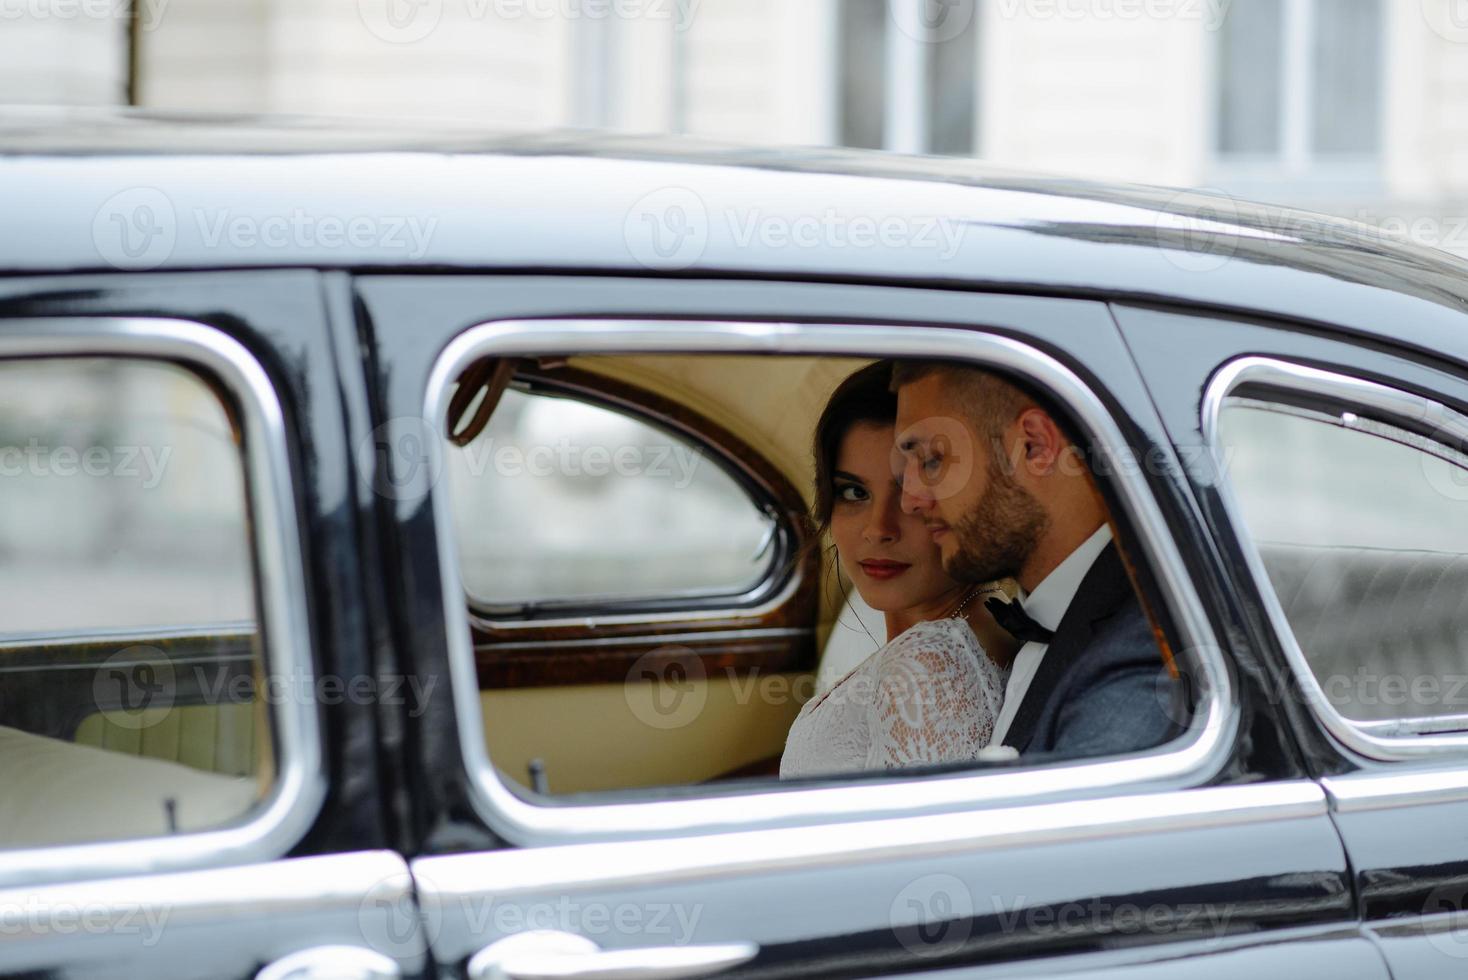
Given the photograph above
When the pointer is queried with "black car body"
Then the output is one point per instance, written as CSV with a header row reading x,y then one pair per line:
x,y
1271,842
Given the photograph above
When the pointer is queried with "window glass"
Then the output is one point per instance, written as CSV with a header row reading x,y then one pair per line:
x,y
559,500
1251,60
953,91
1347,76
124,499
1363,528
659,550
1307,68
129,642
863,55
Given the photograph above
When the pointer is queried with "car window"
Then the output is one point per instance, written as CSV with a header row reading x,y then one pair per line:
x,y
560,501
1362,527
670,683
125,495
129,645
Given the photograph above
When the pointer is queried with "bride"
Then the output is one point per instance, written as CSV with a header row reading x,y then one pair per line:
x,y
931,694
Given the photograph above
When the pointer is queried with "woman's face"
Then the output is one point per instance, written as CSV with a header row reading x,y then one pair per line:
x,y
889,555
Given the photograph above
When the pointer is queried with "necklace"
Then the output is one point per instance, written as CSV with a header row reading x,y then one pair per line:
x,y
973,594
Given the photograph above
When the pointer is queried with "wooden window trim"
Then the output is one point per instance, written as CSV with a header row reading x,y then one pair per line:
x,y
707,642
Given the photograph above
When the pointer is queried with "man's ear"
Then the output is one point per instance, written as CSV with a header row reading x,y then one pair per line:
x,y
1042,440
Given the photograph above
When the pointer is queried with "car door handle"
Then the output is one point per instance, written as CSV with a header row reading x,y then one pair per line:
x,y
333,963
548,954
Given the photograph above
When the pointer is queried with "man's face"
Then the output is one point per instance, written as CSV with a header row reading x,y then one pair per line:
x,y
959,480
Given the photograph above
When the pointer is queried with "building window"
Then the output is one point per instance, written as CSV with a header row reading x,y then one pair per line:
x,y
594,88
1300,83
863,73
908,75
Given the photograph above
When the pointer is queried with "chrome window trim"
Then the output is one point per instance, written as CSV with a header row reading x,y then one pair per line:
x,y
360,891
1411,727
771,589
638,864
1192,759
281,819
288,886
1359,792
1272,373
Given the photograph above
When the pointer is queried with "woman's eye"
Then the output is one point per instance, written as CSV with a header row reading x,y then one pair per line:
x,y
850,493
932,464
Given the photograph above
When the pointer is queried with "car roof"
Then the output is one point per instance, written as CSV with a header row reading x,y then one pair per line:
x,y
253,192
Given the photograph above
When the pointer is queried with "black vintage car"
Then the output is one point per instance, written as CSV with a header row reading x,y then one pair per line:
x,y
405,570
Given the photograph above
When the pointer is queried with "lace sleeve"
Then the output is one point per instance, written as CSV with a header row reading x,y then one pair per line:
x,y
937,695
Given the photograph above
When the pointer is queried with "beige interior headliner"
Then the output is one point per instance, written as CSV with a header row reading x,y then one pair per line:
x,y
771,402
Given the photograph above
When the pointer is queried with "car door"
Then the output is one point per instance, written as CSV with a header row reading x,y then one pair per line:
x,y
189,720
1216,852
1331,468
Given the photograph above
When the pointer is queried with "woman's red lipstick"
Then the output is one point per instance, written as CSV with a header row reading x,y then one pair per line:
x,y
883,570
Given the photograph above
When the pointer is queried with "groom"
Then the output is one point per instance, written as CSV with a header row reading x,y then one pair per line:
x,y
1005,493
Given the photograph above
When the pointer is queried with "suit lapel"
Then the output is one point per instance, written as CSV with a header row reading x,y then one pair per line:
x,y
1102,591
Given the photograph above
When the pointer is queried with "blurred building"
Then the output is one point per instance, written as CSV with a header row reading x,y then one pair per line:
x,y
1357,107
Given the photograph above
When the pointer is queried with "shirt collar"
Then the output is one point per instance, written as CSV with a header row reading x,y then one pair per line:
x,y
1052,597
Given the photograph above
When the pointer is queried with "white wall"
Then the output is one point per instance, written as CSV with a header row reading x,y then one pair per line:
x,y
1072,88
1426,145
760,70
456,60
1092,95
210,56
63,60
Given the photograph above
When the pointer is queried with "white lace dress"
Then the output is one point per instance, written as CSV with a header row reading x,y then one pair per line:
x,y
929,696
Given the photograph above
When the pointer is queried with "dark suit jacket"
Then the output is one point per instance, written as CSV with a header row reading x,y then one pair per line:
x,y
1102,688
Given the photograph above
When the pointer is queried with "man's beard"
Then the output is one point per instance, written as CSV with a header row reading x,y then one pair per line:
x,y
996,539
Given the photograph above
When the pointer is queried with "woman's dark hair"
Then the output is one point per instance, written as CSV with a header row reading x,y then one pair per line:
x,y
865,398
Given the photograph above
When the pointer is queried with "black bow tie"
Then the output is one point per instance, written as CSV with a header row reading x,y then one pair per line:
x,y
1017,622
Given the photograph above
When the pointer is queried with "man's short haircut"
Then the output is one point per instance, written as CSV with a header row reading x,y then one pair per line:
x,y
990,400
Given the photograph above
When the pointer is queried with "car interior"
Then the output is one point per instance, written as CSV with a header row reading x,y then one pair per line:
x,y
705,593
131,655
647,606
612,677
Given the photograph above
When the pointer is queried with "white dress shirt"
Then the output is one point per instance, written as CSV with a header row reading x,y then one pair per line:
x,y
1047,606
